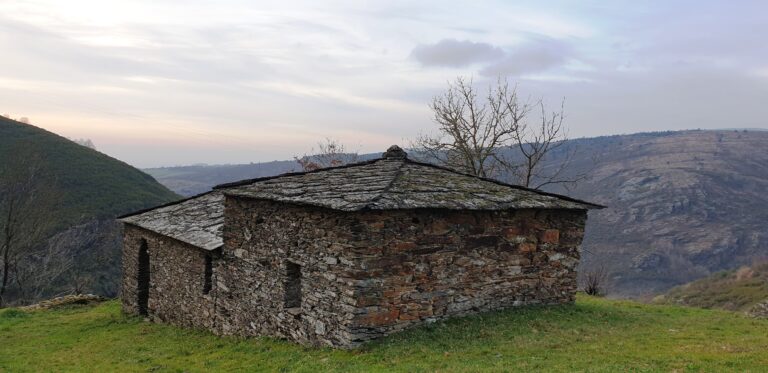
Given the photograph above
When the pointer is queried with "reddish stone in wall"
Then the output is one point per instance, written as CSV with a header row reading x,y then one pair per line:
x,y
526,247
379,317
551,236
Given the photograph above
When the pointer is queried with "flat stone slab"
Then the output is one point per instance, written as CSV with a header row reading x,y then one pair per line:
x,y
197,221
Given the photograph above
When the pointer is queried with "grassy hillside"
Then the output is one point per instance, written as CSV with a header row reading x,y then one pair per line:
x,y
593,335
87,183
735,290
75,195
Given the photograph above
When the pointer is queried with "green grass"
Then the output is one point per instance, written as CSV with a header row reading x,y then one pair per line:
x,y
592,335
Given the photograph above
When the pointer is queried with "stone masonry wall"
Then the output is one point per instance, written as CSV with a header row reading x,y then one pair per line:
x,y
176,279
130,269
361,275
260,238
424,265
368,274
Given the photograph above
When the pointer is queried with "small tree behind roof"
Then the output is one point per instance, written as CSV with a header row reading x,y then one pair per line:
x,y
330,153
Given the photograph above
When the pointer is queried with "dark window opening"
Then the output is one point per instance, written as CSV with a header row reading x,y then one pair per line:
x,y
292,285
142,289
208,282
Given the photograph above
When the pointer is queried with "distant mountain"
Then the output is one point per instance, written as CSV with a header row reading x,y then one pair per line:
x,y
734,290
196,179
89,189
682,205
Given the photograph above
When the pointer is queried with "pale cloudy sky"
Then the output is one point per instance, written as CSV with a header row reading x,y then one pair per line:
x,y
169,82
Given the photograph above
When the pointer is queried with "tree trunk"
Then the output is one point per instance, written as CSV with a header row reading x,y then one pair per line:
x,y
6,265
6,254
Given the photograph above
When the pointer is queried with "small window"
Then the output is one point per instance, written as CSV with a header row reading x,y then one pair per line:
x,y
292,285
208,274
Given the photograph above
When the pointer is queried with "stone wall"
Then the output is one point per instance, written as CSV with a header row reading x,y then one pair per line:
x,y
262,239
177,275
358,275
368,274
425,265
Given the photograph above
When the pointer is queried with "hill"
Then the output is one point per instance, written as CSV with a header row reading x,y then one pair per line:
x,y
594,335
81,191
682,205
88,183
735,290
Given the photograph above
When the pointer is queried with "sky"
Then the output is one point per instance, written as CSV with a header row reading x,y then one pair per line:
x,y
166,82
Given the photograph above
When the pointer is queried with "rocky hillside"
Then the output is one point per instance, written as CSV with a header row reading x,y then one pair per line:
x,y
682,205
70,196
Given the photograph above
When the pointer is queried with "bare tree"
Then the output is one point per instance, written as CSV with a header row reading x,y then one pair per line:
x,y
594,280
493,135
80,281
84,142
40,268
330,153
24,200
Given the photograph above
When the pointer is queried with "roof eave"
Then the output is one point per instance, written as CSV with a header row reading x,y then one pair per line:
x,y
211,247
148,209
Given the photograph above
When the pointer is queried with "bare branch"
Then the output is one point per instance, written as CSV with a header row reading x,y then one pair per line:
x,y
594,281
495,137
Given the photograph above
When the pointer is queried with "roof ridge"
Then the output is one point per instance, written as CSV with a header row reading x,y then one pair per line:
x,y
297,173
398,172
165,204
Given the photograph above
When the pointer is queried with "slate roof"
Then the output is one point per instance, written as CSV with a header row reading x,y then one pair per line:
x,y
388,183
396,182
197,221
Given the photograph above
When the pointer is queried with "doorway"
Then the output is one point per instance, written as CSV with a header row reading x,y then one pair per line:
x,y
142,290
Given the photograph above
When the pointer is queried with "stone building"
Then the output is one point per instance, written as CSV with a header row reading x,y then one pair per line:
x,y
343,255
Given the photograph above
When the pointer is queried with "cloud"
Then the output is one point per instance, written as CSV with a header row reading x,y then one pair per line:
x,y
455,53
244,79
536,54
531,57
